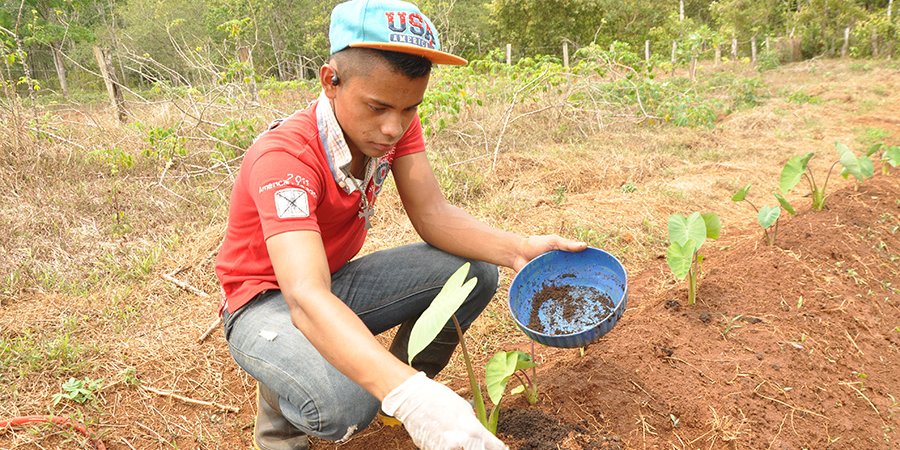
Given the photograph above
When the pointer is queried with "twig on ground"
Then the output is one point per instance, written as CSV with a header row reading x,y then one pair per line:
x,y
596,423
127,443
693,367
851,386
780,427
645,428
642,390
154,433
75,144
756,391
853,342
233,409
184,285
212,327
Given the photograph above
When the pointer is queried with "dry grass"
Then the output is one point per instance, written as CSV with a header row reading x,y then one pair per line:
x,y
83,247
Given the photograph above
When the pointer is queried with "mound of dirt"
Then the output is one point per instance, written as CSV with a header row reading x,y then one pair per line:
x,y
789,346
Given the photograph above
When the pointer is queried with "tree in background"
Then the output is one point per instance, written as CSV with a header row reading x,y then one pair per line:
x,y
821,24
748,18
53,25
188,42
540,26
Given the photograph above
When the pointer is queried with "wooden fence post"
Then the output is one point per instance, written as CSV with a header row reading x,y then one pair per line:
x,y
718,54
768,46
753,49
647,51
874,43
112,86
509,54
60,69
733,49
890,49
566,54
846,45
674,49
692,71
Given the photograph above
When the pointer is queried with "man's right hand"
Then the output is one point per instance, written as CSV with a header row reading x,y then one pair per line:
x,y
436,418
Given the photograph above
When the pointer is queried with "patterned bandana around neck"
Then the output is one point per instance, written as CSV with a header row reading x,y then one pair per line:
x,y
338,154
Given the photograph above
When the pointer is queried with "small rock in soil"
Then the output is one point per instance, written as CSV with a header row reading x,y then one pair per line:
x,y
705,317
751,319
673,304
665,350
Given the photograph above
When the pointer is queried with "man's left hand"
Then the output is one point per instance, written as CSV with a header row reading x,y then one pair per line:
x,y
534,246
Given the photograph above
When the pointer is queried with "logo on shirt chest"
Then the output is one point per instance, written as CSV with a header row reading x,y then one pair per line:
x,y
291,203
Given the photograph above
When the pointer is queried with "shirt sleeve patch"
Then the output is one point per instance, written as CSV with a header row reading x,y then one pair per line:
x,y
291,203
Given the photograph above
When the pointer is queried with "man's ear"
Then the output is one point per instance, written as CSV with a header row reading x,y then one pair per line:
x,y
327,75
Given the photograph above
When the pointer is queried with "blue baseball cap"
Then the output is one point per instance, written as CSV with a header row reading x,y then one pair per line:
x,y
391,25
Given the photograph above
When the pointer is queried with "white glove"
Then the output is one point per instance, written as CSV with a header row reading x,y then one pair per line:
x,y
436,418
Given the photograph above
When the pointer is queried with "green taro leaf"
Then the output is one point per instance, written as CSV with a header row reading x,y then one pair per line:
x,y
891,156
874,149
679,257
713,225
429,324
500,368
861,168
786,204
741,194
682,229
793,171
768,215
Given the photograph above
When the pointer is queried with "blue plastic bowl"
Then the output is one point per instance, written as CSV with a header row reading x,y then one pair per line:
x,y
588,274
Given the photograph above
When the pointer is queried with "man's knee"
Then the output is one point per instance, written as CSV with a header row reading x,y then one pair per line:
x,y
488,278
339,420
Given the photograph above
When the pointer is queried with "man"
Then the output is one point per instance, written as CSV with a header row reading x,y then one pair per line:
x,y
300,314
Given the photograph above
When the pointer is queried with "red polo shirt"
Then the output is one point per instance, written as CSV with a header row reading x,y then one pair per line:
x,y
285,184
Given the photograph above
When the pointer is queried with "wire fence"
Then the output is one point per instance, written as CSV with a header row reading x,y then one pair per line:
x,y
143,72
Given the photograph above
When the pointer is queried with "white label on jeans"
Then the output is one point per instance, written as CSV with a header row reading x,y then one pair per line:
x,y
268,335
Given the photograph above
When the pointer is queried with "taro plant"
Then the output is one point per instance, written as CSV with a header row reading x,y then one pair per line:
x,y
686,236
889,158
766,216
498,371
797,168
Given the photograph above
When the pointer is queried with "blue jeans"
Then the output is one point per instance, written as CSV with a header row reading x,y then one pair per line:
x,y
385,289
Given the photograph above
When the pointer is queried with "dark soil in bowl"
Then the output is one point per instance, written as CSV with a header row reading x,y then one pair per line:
x,y
575,308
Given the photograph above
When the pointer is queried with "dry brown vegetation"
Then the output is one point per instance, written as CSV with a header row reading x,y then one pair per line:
x,y
89,248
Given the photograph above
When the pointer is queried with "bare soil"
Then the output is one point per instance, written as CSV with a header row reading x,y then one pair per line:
x,y
790,346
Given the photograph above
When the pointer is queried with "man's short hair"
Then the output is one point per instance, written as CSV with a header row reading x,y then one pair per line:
x,y
352,62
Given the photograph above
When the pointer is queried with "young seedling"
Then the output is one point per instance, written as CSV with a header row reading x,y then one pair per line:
x,y
797,168
441,310
766,216
497,374
686,236
498,370
890,157
730,324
